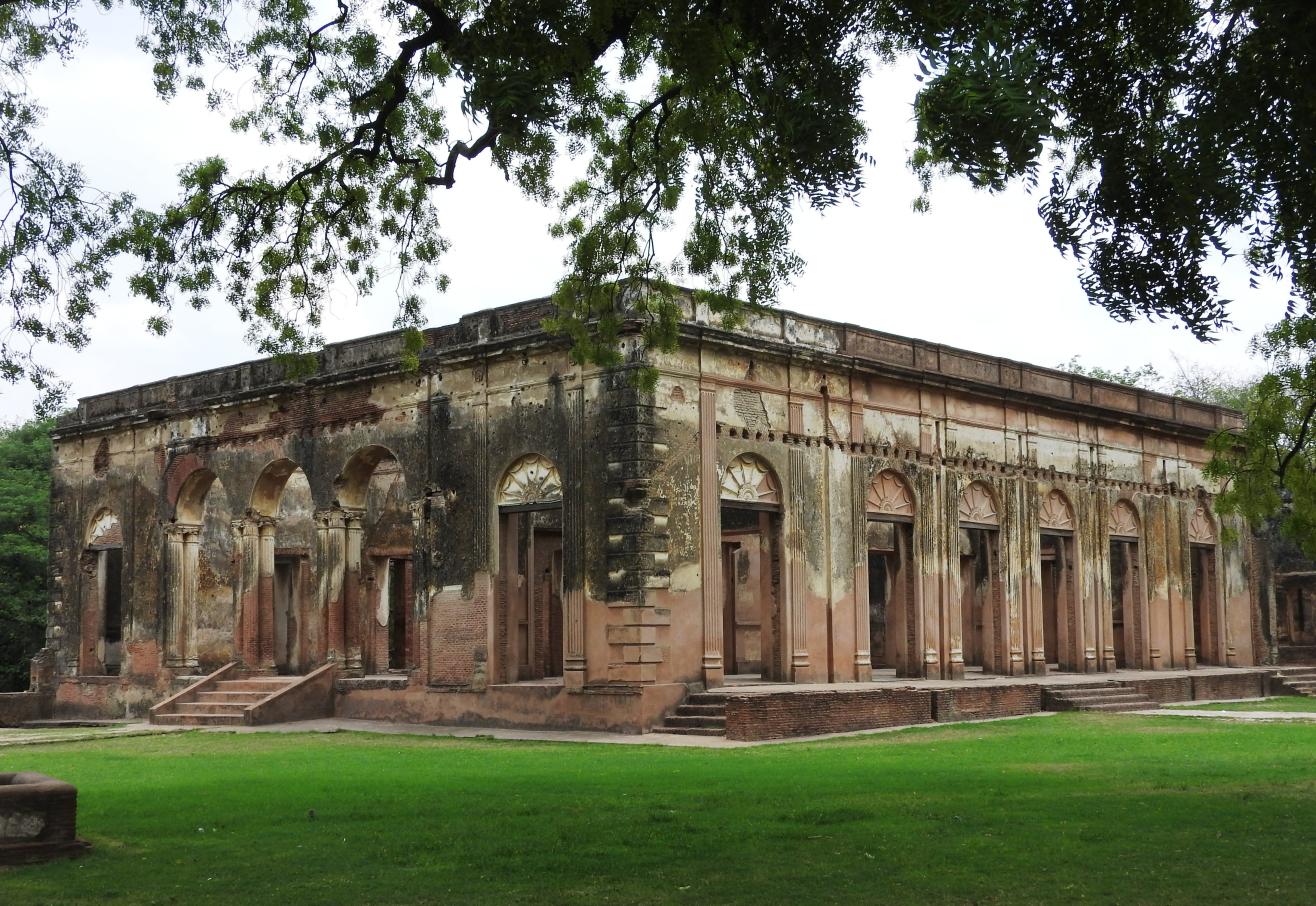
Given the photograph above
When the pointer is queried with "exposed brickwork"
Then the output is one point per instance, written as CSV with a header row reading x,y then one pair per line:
x,y
986,703
1245,685
1168,689
458,629
781,715
19,707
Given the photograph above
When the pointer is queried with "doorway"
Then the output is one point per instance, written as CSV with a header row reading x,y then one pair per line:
x,y
982,624
287,608
397,614
1059,628
751,579
110,571
1126,603
1204,591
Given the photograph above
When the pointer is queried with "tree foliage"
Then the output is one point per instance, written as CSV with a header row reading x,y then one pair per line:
x,y
1269,467
1158,134
24,509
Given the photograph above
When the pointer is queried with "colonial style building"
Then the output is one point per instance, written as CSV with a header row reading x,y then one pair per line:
x,y
506,536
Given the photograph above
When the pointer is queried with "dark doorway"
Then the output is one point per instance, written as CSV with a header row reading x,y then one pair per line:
x,y
879,595
397,614
730,550
982,625
287,580
1205,638
1126,603
1058,624
112,621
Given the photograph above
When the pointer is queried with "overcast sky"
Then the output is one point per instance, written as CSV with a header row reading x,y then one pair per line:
x,y
978,271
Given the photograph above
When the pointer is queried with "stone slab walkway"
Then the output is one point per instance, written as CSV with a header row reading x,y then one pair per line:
x,y
1252,716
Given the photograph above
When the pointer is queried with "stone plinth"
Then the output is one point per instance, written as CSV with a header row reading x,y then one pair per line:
x,y
38,818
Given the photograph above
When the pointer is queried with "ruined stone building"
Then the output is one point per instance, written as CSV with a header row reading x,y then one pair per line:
x,y
508,537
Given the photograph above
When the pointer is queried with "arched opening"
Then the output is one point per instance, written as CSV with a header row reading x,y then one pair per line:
x,y
750,513
101,651
199,630
1128,629
982,619
530,643
1061,628
1205,587
892,613
281,625
380,619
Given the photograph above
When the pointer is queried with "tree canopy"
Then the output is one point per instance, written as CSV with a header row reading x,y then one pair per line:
x,y
24,508
1159,136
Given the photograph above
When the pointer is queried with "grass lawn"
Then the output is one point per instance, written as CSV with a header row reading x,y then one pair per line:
x,y
1075,807
1280,703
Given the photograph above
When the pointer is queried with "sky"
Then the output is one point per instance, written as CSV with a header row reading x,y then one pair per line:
x,y
977,271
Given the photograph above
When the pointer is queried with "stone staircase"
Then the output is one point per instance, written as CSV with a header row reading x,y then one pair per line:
x,y
230,697
224,703
1112,698
701,714
1296,680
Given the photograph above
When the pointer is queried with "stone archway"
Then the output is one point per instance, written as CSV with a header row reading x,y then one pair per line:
x,y
198,563
101,643
891,621
982,624
749,636
1206,603
532,624
1129,624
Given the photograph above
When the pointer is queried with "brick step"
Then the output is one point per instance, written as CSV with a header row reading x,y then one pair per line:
x,y
243,698
1109,707
200,707
266,685
198,719
696,720
692,731
711,710
706,698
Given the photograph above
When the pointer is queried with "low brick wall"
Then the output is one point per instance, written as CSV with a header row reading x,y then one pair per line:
x,y
19,707
1163,690
1236,685
784,714
986,703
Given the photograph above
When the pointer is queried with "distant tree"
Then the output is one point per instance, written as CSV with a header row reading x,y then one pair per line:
x,y
24,517
1146,377
1159,136
1268,469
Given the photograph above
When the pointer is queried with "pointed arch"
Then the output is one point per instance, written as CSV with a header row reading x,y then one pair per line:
x,y
104,530
353,482
191,502
748,479
1201,527
978,505
1124,521
269,487
531,480
1056,513
889,494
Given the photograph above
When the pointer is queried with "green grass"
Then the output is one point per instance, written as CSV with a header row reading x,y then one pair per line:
x,y
1105,809
1280,703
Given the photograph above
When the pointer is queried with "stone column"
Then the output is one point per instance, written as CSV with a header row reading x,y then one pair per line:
x,y
247,589
191,563
331,537
354,618
265,585
710,525
573,540
859,480
175,585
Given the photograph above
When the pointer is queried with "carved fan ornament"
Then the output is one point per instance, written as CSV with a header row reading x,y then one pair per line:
x,y
888,494
105,530
1201,530
748,480
976,505
1056,513
531,479
1124,520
